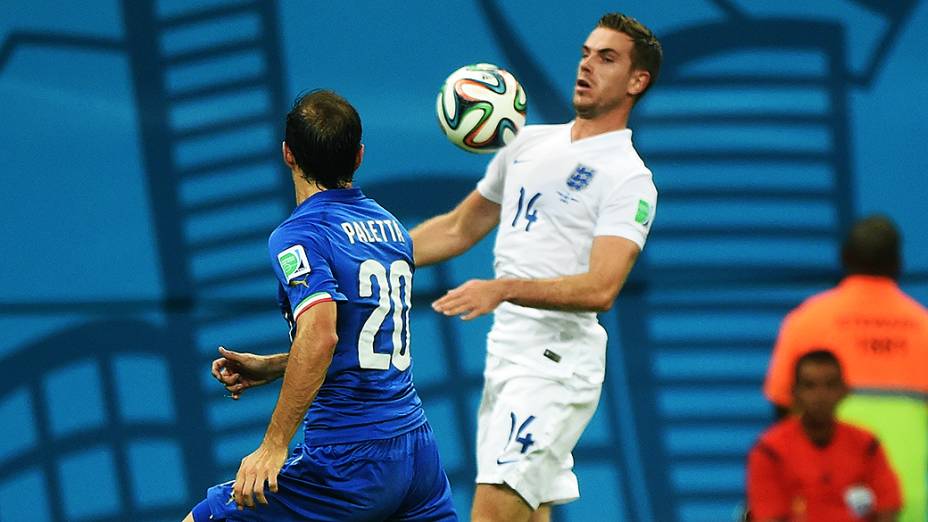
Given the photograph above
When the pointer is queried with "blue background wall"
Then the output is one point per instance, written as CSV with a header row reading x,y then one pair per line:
x,y
139,159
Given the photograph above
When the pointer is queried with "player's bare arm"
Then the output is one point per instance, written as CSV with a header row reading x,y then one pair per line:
x,y
611,260
449,235
310,356
238,371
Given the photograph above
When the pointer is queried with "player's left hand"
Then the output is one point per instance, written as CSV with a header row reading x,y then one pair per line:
x,y
472,299
256,469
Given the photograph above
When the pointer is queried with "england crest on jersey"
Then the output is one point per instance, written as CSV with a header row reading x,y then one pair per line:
x,y
580,178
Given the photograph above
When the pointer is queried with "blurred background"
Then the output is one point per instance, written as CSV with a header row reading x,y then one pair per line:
x,y
139,155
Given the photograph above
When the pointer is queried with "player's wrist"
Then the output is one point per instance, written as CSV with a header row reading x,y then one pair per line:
x,y
507,288
270,367
274,442
276,365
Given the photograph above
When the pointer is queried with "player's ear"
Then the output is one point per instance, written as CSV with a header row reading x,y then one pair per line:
x,y
359,157
844,390
287,154
638,82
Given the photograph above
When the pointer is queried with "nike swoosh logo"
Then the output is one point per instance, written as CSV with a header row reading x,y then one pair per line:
x,y
520,161
501,462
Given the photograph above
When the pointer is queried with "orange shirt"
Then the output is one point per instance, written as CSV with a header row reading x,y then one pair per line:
x,y
789,477
879,334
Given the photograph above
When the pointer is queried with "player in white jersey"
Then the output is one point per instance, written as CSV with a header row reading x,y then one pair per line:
x,y
574,204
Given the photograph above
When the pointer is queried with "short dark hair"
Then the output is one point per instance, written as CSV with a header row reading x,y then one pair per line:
x,y
873,248
324,134
817,356
647,53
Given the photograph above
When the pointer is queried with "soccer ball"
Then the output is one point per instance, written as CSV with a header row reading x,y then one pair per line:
x,y
481,107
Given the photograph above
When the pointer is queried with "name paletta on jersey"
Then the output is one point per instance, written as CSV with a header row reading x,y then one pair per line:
x,y
373,231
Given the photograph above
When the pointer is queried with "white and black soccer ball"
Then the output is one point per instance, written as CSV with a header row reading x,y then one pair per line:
x,y
481,107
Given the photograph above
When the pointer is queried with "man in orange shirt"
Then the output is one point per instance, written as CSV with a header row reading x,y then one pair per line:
x,y
813,467
880,335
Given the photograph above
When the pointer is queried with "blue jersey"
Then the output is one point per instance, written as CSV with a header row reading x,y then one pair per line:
x,y
340,245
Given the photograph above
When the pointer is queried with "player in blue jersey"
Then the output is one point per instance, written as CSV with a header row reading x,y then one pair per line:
x,y
344,267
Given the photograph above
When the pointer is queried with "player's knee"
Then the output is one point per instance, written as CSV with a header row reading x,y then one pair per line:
x,y
478,515
499,503
497,516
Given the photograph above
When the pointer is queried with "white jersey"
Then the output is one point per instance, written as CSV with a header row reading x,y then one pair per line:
x,y
555,197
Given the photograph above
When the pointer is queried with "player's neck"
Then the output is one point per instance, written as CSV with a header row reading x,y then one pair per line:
x,y
819,432
600,124
304,189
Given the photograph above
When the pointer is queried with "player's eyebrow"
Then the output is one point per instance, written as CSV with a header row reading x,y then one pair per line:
x,y
603,51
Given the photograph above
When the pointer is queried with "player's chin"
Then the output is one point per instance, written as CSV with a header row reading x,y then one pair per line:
x,y
584,106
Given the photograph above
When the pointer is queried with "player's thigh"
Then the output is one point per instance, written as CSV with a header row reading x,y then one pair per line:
x,y
493,380
529,412
340,483
499,503
201,513
526,440
542,514
428,498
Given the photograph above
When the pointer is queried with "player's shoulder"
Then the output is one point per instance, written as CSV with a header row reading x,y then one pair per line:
x,y
373,206
542,129
858,437
915,308
531,135
631,166
626,170
628,161
614,152
815,305
302,228
779,437
632,161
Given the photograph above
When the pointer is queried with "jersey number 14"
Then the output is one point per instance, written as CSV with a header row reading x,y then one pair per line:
x,y
400,275
531,215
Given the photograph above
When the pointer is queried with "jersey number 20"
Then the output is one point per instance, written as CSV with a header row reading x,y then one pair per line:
x,y
389,291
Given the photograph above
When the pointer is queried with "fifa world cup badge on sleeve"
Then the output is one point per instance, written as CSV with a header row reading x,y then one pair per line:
x,y
293,262
643,214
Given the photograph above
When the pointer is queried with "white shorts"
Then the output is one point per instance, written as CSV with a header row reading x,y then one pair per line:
x,y
527,427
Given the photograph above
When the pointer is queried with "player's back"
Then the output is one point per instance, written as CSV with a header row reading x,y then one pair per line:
x,y
879,333
342,246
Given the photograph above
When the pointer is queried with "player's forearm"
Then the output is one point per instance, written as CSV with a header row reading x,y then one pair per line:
x,y
277,364
451,234
438,239
306,367
578,293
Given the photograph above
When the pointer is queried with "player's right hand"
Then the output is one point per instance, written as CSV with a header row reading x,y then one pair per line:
x,y
238,371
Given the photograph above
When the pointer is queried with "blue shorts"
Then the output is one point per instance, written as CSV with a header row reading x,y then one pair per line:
x,y
398,479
